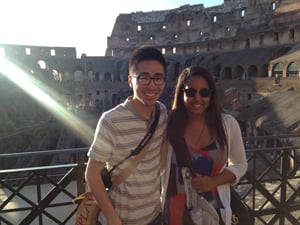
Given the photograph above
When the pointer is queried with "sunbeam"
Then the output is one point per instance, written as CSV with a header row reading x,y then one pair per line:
x,y
38,91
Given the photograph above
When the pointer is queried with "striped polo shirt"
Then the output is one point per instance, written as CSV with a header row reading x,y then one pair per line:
x,y
118,132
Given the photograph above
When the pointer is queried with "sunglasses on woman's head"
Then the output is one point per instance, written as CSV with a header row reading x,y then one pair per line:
x,y
191,92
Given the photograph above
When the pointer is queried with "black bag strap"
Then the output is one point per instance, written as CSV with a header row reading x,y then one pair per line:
x,y
144,141
183,157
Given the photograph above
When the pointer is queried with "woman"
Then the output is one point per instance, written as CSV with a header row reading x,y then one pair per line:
x,y
206,140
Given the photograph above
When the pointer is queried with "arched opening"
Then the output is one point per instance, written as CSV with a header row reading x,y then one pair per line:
x,y
277,70
117,76
90,76
227,74
292,70
216,72
264,71
56,75
107,76
176,70
238,73
42,64
97,76
78,76
252,71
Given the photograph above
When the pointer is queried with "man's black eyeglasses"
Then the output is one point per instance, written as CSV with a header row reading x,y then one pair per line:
x,y
191,92
145,78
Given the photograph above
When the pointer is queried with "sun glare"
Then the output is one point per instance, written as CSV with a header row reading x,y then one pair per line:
x,y
38,91
2,53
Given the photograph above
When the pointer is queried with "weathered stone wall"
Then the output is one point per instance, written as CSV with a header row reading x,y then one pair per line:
x,y
243,44
238,40
234,25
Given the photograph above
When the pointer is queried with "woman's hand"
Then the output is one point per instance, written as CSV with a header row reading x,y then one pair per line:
x,y
203,183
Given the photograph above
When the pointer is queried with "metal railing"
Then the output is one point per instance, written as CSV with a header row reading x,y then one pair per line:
x,y
43,195
271,186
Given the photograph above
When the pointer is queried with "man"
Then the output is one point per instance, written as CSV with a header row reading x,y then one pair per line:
x,y
136,200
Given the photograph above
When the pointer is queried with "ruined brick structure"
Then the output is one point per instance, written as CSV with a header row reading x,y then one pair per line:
x,y
244,43
235,40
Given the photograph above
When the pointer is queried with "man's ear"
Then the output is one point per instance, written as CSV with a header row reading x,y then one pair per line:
x,y
130,81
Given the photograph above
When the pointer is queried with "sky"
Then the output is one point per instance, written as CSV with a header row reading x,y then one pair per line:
x,y
83,24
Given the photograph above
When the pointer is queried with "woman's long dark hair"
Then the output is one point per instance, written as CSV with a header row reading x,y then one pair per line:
x,y
178,118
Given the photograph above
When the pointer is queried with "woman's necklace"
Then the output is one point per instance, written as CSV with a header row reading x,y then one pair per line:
x,y
193,138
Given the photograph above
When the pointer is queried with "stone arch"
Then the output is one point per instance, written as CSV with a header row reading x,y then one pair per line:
x,y
35,68
97,76
115,99
42,64
78,76
90,75
69,100
106,100
108,76
117,71
277,70
78,99
169,73
292,70
216,71
238,72
56,75
67,75
227,73
97,103
116,75
172,70
176,70
264,70
252,71
124,71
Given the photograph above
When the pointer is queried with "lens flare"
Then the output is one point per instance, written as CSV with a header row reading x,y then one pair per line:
x,y
39,92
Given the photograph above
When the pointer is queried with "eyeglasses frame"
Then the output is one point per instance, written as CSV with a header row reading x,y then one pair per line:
x,y
137,76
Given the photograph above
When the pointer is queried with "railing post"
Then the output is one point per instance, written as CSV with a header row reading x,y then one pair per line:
x,y
81,170
284,176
